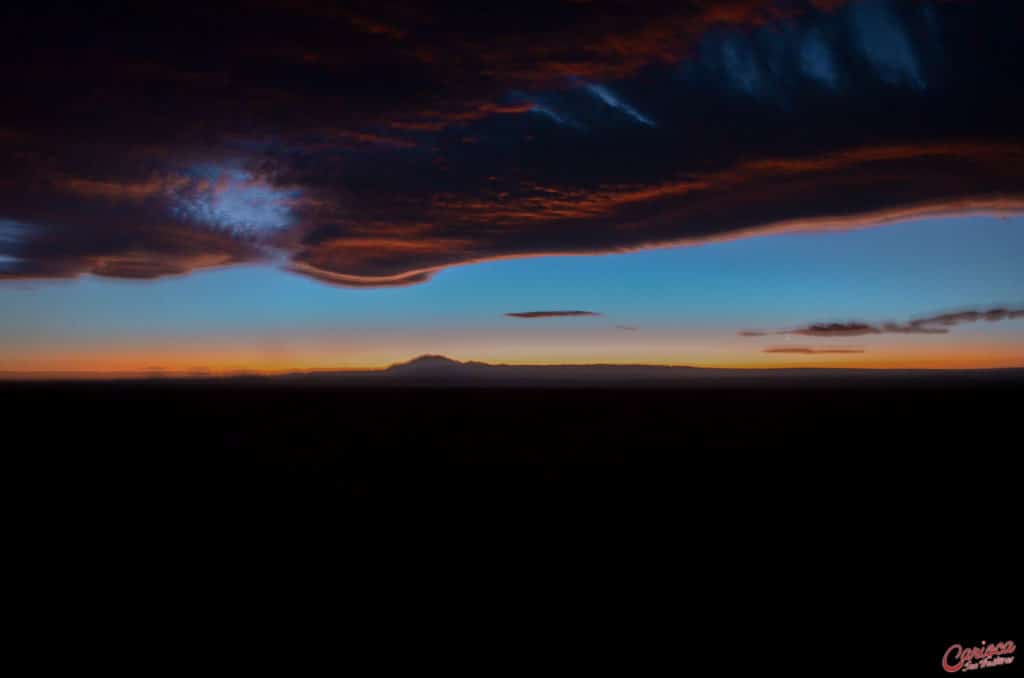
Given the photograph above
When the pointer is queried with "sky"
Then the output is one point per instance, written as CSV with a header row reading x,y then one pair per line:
x,y
307,186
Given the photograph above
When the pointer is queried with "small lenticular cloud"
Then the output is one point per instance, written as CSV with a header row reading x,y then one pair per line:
x,y
809,350
552,314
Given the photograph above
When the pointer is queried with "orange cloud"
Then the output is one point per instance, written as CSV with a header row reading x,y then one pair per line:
x,y
433,120
121,190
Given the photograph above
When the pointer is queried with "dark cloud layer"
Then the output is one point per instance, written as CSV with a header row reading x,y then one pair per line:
x,y
370,144
553,314
935,324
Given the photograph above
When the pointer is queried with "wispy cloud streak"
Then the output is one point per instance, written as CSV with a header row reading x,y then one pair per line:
x,y
935,324
605,95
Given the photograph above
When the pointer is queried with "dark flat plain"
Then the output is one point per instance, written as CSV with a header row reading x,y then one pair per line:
x,y
832,524
322,442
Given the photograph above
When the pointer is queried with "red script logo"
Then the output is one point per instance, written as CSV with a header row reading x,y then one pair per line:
x,y
959,658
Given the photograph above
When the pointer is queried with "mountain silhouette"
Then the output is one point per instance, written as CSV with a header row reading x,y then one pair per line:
x,y
428,364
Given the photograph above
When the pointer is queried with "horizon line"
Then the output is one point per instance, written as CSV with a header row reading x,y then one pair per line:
x,y
173,374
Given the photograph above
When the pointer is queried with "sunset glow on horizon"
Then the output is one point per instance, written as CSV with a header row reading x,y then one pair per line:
x,y
641,310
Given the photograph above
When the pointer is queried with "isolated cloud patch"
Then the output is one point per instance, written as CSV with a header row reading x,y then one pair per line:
x,y
553,314
809,350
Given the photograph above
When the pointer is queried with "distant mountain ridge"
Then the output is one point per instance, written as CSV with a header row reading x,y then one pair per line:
x,y
441,370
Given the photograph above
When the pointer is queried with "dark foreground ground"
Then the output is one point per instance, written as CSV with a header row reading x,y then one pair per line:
x,y
810,529
319,444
